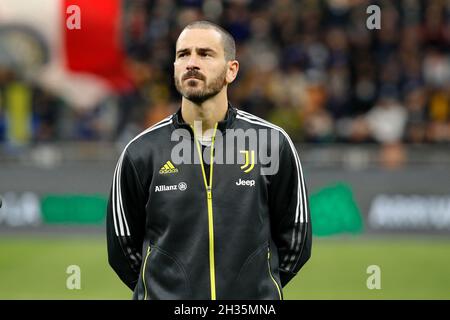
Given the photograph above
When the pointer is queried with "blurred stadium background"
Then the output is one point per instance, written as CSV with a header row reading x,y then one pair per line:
x,y
368,109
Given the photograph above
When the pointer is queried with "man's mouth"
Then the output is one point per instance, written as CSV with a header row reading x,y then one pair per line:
x,y
190,76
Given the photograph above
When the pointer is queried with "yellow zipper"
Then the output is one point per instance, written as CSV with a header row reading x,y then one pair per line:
x,y
208,186
143,272
271,276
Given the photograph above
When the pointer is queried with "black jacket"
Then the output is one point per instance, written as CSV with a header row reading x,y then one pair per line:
x,y
189,231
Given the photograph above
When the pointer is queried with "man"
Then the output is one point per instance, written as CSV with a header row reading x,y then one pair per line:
x,y
207,229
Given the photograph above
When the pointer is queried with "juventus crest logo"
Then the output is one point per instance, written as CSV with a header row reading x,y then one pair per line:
x,y
249,161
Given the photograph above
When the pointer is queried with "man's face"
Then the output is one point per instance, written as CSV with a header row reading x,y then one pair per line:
x,y
200,68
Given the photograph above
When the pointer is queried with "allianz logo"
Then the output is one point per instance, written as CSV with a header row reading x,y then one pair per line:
x,y
181,186
250,183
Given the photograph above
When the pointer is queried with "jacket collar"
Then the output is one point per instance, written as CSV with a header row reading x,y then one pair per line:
x,y
222,125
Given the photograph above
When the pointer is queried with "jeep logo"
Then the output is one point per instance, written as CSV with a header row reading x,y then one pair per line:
x,y
250,183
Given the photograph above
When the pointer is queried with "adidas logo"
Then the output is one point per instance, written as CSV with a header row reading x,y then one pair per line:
x,y
168,167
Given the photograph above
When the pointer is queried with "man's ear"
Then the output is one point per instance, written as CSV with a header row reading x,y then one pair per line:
x,y
232,70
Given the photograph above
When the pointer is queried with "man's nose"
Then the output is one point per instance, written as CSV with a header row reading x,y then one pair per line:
x,y
193,62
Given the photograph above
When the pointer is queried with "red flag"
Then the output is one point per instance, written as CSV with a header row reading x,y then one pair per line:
x,y
72,48
96,47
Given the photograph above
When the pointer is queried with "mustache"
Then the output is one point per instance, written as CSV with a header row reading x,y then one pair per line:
x,y
193,74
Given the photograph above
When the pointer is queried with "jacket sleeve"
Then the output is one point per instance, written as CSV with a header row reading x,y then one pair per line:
x,y
125,222
289,213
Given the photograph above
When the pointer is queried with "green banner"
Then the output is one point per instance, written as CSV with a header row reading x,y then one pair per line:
x,y
334,211
73,209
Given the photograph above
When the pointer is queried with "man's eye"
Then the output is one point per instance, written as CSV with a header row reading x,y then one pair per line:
x,y
181,55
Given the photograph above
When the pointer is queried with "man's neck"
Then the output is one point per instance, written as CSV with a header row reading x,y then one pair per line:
x,y
209,112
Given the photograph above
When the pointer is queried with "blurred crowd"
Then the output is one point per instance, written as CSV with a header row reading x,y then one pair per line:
x,y
312,67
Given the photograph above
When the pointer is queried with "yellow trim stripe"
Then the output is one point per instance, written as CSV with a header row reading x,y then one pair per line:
x,y
212,156
271,276
212,271
201,160
143,272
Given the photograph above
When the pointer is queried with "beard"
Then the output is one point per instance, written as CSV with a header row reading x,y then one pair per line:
x,y
191,89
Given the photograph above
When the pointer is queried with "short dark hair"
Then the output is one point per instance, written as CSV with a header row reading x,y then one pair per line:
x,y
229,45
